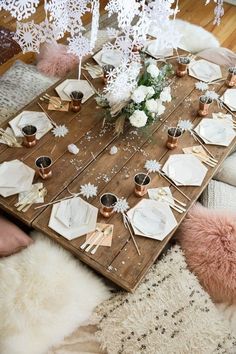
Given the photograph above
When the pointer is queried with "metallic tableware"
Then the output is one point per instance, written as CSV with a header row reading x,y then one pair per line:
x,y
174,134
76,101
204,104
29,132
107,201
141,181
182,67
44,165
106,70
231,79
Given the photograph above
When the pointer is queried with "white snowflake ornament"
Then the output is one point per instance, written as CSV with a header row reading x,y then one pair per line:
x,y
60,131
28,36
88,190
212,95
79,45
121,206
201,86
152,166
22,9
185,125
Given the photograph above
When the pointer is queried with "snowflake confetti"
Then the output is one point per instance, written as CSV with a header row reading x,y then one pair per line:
x,y
201,86
185,125
152,166
88,190
121,206
60,131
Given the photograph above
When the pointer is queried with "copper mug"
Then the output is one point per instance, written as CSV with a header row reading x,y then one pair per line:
x,y
231,79
44,165
106,71
29,132
141,181
76,101
182,67
107,200
174,134
204,104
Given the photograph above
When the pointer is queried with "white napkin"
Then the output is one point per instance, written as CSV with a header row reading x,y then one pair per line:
x,y
111,57
149,221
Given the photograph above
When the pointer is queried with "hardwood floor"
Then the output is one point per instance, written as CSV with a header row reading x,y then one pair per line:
x,y
193,11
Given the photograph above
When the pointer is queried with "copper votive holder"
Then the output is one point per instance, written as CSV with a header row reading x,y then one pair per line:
x,y
107,200
204,104
182,67
231,79
76,101
44,165
29,132
174,134
141,181
106,71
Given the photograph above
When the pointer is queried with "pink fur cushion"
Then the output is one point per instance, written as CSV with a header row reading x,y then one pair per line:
x,y
54,60
12,238
208,239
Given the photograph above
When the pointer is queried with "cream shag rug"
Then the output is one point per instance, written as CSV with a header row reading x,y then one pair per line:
x,y
169,313
45,294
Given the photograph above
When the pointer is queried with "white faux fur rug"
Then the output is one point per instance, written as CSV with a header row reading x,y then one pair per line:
x,y
45,294
169,313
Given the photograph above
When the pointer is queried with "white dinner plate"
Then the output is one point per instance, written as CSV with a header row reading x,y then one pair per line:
x,y
66,87
151,218
215,131
185,170
75,227
204,70
229,98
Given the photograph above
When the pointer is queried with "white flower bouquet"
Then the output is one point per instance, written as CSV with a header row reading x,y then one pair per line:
x,y
145,103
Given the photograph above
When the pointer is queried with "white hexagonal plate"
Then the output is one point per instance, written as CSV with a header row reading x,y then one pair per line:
x,y
66,87
151,218
205,71
229,98
76,218
185,170
215,131
15,177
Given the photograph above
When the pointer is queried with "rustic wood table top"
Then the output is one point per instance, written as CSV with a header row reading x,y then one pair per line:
x,y
112,173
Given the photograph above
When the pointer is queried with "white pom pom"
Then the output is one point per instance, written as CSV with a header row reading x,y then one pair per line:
x,y
72,148
113,150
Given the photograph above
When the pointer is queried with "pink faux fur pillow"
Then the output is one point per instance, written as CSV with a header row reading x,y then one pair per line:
x,y
54,60
208,239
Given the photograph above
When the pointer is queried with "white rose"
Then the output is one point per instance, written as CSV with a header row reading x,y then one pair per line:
x,y
152,105
165,95
153,70
160,107
138,119
138,95
149,91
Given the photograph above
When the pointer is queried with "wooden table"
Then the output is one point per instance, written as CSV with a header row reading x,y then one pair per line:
x,y
111,173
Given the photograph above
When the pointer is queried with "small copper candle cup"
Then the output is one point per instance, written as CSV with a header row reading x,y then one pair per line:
x,y
106,70
141,181
173,136
204,104
44,165
182,67
231,79
29,132
107,200
76,97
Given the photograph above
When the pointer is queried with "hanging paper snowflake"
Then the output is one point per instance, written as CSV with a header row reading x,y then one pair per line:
x,y
121,205
22,9
201,86
50,33
95,23
212,95
152,166
28,36
218,11
60,131
185,125
79,45
112,32
88,190
125,10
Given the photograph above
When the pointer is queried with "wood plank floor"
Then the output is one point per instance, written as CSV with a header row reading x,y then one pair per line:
x,y
193,11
